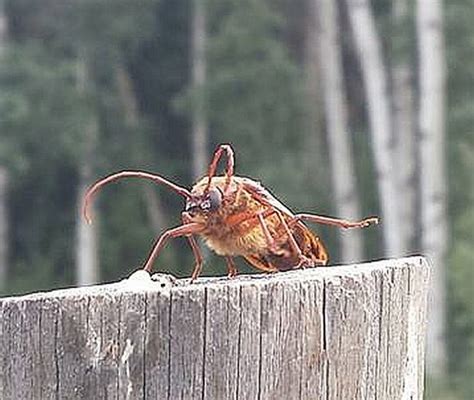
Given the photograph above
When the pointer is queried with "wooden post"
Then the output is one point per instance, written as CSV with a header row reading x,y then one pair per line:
x,y
349,332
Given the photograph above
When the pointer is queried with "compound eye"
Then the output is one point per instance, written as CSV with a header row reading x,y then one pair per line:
x,y
213,201
206,205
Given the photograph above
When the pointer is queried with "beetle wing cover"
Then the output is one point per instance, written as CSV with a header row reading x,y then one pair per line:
x,y
262,194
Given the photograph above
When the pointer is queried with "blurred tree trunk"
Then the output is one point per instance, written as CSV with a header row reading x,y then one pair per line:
x,y
432,169
130,106
3,172
86,247
3,227
314,154
368,46
127,95
3,28
337,127
199,137
404,119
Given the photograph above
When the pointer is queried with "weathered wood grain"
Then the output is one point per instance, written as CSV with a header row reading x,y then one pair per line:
x,y
349,332
249,356
221,341
157,345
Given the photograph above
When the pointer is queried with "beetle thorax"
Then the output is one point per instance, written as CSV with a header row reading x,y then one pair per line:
x,y
228,230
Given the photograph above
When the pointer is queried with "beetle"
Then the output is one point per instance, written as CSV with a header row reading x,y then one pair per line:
x,y
237,217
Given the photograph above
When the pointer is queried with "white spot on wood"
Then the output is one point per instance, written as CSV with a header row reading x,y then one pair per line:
x,y
142,281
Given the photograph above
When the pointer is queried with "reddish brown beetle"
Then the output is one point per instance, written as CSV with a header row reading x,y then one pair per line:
x,y
237,216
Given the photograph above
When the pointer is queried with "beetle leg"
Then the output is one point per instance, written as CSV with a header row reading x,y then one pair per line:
x,y
271,242
229,169
261,263
291,238
342,223
303,261
268,237
197,256
195,248
231,267
183,230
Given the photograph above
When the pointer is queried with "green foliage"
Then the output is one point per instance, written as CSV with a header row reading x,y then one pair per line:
x,y
40,153
44,116
29,78
253,88
252,85
441,391
460,44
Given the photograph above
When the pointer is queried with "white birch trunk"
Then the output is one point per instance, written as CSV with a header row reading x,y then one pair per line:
x,y
86,243
433,173
374,73
3,227
199,137
404,125
337,126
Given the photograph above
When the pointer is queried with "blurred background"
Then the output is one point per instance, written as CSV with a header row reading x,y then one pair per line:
x,y
345,108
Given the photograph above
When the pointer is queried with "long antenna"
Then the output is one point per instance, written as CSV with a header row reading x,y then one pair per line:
x,y
127,174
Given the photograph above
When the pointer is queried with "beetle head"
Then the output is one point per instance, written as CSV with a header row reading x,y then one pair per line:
x,y
205,203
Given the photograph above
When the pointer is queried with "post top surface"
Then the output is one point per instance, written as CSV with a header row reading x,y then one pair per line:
x,y
140,281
